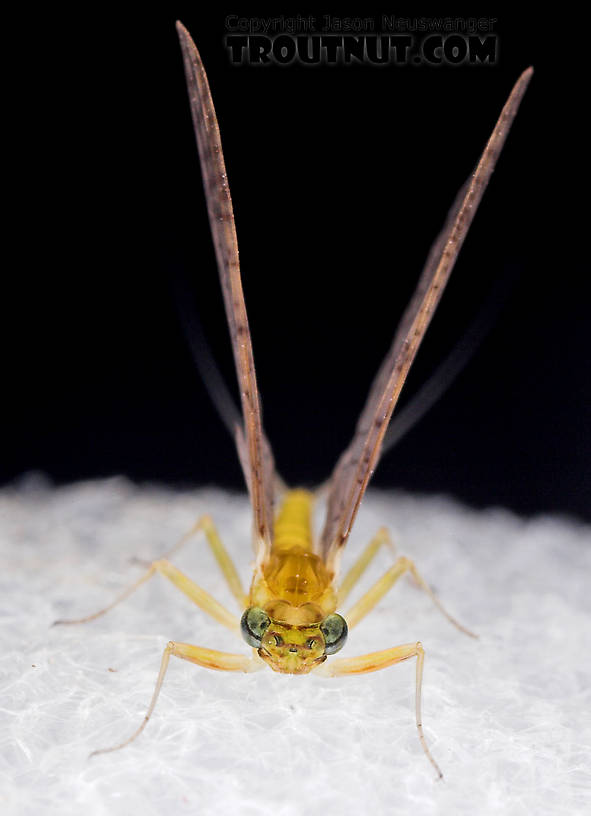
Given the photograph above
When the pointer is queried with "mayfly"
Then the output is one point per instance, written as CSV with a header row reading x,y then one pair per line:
x,y
289,617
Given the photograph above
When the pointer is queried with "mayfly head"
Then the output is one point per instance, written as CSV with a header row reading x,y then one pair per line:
x,y
292,649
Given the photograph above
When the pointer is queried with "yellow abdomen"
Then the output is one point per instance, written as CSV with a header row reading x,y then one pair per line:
x,y
293,525
294,577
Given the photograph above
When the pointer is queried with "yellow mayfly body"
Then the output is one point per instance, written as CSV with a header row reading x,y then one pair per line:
x,y
290,616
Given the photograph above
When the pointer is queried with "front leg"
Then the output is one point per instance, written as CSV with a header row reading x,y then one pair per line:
x,y
381,660
208,658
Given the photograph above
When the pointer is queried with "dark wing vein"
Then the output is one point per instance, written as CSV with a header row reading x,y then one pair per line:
x,y
357,463
254,450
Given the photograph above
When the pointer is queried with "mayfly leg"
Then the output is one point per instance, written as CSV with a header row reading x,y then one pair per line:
x,y
208,658
381,539
372,597
199,596
381,660
205,524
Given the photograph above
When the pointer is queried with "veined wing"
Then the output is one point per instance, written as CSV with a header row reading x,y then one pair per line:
x,y
253,448
357,463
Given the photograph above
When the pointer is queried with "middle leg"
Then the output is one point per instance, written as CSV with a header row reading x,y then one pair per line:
x,y
199,596
381,539
367,602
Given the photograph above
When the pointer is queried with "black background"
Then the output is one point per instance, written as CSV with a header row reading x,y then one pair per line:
x,y
341,177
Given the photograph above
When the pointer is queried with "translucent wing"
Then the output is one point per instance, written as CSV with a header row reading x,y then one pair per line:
x,y
253,448
357,463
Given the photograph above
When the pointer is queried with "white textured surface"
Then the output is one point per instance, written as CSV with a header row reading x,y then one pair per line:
x,y
508,717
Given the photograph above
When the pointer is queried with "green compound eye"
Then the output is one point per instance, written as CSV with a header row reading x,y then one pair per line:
x,y
334,628
253,625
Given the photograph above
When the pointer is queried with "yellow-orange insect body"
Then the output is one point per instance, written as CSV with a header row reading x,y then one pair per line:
x,y
295,590
290,616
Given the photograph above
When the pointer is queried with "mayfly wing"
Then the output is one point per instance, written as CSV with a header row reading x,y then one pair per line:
x,y
357,463
253,449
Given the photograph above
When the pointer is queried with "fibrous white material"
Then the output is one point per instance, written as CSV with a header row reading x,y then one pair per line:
x,y
508,717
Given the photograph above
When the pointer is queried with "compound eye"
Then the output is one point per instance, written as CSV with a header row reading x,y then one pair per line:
x,y
253,625
334,628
